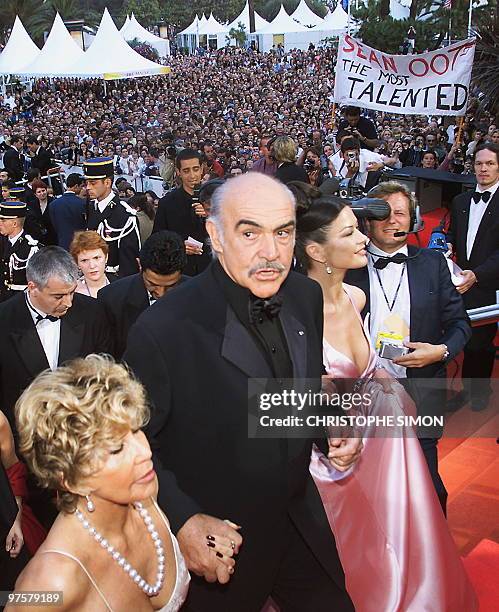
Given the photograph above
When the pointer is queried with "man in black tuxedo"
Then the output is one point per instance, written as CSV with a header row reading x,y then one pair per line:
x,y
46,325
474,237
12,158
67,213
42,328
247,316
162,258
40,157
410,295
111,218
177,211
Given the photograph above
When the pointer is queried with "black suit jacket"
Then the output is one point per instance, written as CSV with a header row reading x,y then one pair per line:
x,y
67,215
195,358
123,302
438,315
13,163
38,224
175,213
42,160
484,257
84,330
291,172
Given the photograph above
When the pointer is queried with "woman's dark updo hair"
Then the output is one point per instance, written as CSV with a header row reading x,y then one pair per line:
x,y
314,214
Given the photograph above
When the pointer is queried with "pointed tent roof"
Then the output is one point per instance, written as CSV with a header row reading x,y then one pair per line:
x,y
283,24
336,21
193,28
110,57
135,30
125,25
243,17
203,20
306,16
19,51
212,26
59,52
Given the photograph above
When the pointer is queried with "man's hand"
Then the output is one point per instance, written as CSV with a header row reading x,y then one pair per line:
x,y
199,210
191,249
373,166
344,452
468,282
423,354
209,545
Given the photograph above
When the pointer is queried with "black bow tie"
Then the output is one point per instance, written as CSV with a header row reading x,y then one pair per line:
x,y
485,196
259,307
45,318
381,263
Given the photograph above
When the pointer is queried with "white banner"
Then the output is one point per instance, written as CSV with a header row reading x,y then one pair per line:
x,y
434,83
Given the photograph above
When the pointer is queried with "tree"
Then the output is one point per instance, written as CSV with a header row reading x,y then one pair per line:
x,y
144,49
238,34
147,12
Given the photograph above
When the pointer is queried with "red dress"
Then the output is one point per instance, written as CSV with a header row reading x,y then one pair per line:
x,y
34,534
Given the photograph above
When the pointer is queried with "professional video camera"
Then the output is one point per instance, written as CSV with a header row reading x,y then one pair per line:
x,y
363,207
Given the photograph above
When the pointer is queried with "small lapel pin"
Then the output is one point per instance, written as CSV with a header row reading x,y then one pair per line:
x,y
301,332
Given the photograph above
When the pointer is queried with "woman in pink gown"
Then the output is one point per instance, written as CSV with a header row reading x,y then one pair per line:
x,y
392,537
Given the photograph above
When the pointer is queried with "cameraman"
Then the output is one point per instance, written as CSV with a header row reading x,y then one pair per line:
x,y
361,128
167,165
357,163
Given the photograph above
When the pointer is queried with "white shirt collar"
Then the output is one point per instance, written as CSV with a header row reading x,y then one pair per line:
x,y
374,250
13,239
492,190
33,311
102,204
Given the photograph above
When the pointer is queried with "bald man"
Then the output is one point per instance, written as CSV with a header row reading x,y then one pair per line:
x,y
245,511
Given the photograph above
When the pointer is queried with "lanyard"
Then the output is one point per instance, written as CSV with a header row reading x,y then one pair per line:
x,y
390,308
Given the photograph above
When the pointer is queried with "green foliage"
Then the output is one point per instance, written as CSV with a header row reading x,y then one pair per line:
x,y
238,34
144,49
270,8
147,12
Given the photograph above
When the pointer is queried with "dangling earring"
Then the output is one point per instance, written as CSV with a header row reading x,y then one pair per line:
x,y
90,504
329,270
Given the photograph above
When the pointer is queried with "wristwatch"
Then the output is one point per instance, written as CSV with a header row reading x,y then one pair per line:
x,y
446,353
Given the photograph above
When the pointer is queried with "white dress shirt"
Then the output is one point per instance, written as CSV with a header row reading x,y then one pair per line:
x,y
13,239
477,210
49,333
365,158
397,321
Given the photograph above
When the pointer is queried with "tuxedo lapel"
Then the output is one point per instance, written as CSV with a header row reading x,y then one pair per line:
x,y
463,214
240,348
72,335
297,340
417,276
138,299
27,342
488,218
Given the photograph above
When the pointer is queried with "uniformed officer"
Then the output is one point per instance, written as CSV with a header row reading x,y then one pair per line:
x,y
17,248
112,218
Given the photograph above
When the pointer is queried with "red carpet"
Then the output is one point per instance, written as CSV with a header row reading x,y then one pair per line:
x,y
482,566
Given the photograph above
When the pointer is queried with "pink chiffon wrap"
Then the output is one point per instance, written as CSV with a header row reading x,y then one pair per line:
x,y
392,537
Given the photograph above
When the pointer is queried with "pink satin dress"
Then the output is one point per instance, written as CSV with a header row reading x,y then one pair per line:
x,y
392,537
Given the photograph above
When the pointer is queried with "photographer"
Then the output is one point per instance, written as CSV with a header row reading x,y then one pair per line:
x,y
357,163
361,128
167,164
316,166
210,158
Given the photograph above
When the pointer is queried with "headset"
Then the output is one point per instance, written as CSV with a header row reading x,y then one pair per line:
x,y
417,223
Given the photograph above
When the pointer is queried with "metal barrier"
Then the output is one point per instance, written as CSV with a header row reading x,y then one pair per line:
x,y
484,315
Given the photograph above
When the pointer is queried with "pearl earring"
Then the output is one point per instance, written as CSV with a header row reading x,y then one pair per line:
x,y
90,504
329,270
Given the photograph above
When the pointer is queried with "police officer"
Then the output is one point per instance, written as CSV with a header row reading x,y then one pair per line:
x,y
112,218
17,248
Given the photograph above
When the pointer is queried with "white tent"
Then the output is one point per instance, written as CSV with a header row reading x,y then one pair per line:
x,y
335,23
212,26
110,57
282,24
193,28
304,15
133,29
125,25
19,51
59,52
243,17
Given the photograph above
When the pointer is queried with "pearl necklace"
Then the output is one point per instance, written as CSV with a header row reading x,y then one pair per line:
x,y
150,590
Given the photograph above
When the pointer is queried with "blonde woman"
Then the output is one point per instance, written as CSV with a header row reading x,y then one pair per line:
x,y
110,547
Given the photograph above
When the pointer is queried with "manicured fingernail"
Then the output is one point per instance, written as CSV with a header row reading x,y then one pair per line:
x,y
210,544
211,538
219,555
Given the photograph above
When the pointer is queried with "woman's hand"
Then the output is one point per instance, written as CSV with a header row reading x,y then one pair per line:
x,y
15,539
